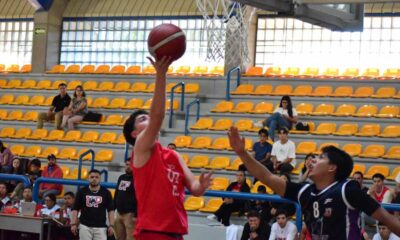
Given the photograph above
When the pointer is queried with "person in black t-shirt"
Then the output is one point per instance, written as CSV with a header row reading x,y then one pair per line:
x,y
126,205
55,112
93,201
255,228
332,204
359,177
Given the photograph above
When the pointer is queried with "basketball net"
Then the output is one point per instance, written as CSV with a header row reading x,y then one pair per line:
x,y
225,29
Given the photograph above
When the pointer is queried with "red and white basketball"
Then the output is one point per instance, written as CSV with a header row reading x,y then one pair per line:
x,y
166,40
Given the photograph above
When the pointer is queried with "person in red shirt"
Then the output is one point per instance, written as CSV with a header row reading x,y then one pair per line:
x,y
160,173
52,170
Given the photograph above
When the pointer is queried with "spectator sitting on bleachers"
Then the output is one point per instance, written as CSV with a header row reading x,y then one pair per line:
x,y
5,201
255,228
50,208
288,208
359,177
16,187
262,207
303,177
34,170
384,233
262,150
283,153
76,110
26,197
66,216
379,191
52,170
171,146
230,205
55,112
285,116
283,228
6,158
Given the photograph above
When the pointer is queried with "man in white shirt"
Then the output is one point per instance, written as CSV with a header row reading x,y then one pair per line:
x,y
384,233
282,229
283,153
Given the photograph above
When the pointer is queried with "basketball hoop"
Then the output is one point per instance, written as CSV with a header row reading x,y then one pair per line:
x,y
225,27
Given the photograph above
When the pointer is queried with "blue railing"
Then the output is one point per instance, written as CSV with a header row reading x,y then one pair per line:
x,y
187,114
81,159
228,82
14,177
105,172
171,104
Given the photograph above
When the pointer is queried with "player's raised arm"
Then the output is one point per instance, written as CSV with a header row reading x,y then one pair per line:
x,y
277,184
146,138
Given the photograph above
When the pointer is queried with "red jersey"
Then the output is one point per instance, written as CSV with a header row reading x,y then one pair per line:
x,y
379,197
159,187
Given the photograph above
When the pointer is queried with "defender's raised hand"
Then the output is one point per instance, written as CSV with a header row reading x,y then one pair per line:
x,y
161,65
236,141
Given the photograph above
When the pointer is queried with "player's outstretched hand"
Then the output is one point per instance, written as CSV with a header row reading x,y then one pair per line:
x,y
236,141
205,179
161,65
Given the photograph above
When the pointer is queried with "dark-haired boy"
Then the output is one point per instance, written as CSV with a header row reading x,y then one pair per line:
x,y
255,228
262,149
332,204
379,191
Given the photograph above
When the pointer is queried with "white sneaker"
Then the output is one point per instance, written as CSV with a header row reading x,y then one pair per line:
x,y
212,217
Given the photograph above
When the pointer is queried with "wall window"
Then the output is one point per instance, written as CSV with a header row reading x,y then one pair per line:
x,y
124,42
16,41
290,42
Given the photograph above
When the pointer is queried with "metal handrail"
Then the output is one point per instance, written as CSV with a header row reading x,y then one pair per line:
x,y
81,159
15,177
171,104
228,82
187,115
105,172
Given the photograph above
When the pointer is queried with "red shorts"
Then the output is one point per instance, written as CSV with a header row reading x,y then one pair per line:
x,y
148,235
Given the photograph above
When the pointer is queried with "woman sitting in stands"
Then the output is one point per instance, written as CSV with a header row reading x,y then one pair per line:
x,y
283,117
14,186
5,158
76,110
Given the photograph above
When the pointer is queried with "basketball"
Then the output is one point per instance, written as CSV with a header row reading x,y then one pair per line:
x,y
166,40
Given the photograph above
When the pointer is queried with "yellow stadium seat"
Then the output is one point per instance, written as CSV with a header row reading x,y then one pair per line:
x,y
203,123
104,155
169,87
397,96
48,101
43,84
57,69
349,73
12,68
49,150
306,148
27,68
119,140
390,73
73,84
243,107
90,85
74,173
35,100
133,70
31,151
345,110
234,166
134,103
193,203
113,119
370,73
66,171
182,70
326,144
104,86
3,113
282,90
363,92
175,104
220,143
200,70
254,71
72,136
55,84
366,111
262,108
373,151
6,99
244,124
302,90
14,115
76,155
272,72
342,91
2,67
358,168
13,83
257,184
297,169
291,72
54,135
117,69
263,89
392,153
346,129
3,82
100,102
106,137
27,84
369,130
17,149
323,109
304,108
353,149
182,141
150,88
384,92
394,174
102,69
243,89
30,116
382,169
88,69
390,131
223,106
138,87
123,121
20,100
185,158
329,73
73,69
201,142
219,184
388,111
21,133
216,71
321,91
149,70
121,87
67,153
89,136
311,125
218,162
116,103
198,161
309,72
325,129
7,132
212,205
38,134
